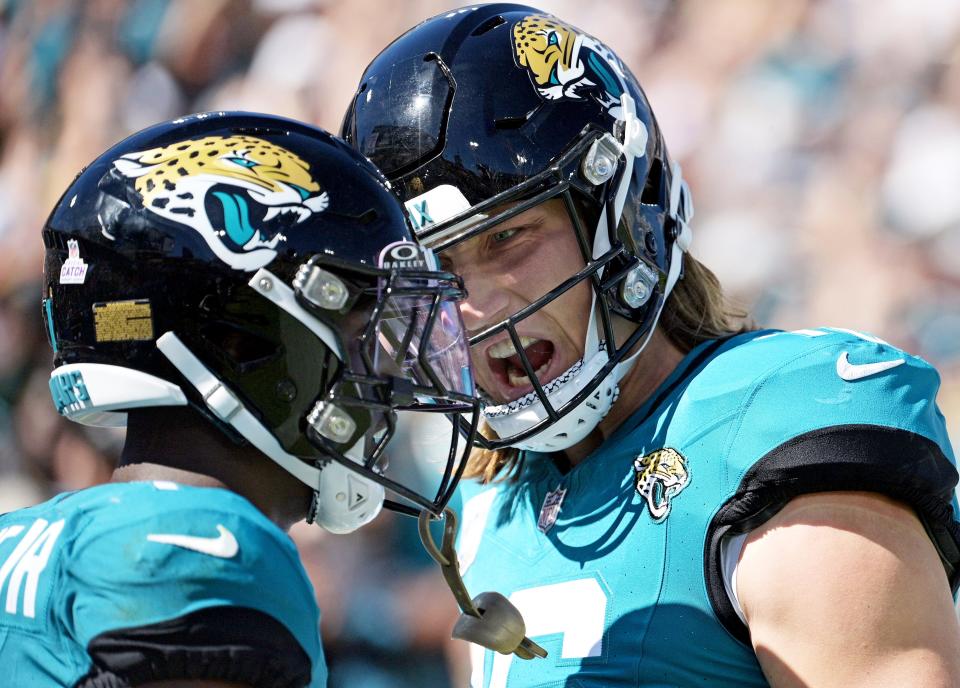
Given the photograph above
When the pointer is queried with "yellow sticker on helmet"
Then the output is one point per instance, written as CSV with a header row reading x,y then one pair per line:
x,y
123,321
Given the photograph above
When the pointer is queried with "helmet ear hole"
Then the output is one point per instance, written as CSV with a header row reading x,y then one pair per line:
x,y
653,188
243,350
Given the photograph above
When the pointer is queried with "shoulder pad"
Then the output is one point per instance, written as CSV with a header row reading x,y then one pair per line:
x,y
151,552
810,380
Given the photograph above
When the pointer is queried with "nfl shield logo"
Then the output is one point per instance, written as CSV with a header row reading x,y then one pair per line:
x,y
550,509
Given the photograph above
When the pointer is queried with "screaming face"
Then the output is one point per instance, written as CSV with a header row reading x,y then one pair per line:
x,y
240,193
506,269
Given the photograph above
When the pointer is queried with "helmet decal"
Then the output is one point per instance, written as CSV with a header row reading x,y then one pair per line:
x,y
74,269
240,193
564,63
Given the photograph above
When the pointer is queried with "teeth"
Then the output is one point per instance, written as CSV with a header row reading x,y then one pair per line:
x,y
505,349
516,380
301,212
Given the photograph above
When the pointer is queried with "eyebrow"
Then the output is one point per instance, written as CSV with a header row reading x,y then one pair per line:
x,y
530,224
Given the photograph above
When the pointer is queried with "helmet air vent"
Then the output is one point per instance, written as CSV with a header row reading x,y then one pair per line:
x,y
489,25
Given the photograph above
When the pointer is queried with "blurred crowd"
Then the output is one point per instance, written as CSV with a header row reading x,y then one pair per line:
x,y
821,139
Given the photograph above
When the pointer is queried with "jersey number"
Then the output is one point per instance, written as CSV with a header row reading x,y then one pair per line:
x,y
576,609
22,568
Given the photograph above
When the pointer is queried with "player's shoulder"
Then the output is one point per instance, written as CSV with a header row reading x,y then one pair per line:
x,y
168,524
821,375
186,571
824,353
194,547
120,504
830,388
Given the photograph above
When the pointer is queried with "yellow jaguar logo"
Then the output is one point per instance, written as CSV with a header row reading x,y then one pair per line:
x,y
660,476
564,63
240,193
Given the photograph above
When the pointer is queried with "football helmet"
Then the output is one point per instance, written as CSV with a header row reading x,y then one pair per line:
x,y
479,114
259,270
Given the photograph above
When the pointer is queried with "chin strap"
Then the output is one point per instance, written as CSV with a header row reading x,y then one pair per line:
x,y
489,619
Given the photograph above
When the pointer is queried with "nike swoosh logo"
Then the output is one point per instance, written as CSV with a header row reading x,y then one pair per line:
x,y
850,372
224,546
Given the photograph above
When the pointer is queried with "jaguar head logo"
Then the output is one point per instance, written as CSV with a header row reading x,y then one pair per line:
x,y
564,63
660,476
242,194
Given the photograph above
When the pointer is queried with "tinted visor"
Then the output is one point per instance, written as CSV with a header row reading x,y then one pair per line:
x,y
420,337
399,139
406,367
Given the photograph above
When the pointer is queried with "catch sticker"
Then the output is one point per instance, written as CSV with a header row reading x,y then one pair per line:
x,y
73,270
123,321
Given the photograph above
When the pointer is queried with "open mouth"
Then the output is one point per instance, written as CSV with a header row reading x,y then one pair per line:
x,y
246,223
505,364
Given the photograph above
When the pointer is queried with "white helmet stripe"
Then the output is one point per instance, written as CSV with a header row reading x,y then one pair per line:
x,y
337,517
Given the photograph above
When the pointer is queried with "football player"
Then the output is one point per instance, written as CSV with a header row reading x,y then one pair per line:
x,y
668,499
242,292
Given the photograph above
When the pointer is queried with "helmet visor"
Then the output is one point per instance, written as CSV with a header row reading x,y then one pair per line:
x,y
421,338
406,368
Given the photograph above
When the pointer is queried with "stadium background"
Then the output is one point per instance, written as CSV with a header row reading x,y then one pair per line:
x,y
821,139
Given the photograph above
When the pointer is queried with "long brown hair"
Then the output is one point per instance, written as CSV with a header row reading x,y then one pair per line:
x,y
696,311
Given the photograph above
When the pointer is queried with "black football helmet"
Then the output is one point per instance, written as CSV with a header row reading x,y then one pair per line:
x,y
258,270
479,114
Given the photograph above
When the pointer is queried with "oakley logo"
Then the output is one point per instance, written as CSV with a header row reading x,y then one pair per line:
x,y
224,546
850,372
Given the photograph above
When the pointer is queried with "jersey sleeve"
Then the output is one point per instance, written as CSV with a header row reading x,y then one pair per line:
x,y
839,412
188,592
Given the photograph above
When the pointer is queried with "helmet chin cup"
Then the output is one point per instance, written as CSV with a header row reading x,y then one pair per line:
x,y
571,428
345,500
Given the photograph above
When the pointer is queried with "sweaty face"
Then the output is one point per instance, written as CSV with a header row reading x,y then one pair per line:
x,y
507,268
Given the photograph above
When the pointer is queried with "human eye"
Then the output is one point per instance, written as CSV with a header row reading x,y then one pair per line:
x,y
503,235
445,262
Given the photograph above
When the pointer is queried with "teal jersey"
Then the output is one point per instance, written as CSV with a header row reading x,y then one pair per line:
x,y
126,583
616,564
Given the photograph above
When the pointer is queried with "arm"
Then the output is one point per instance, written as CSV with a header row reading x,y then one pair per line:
x,y
845,589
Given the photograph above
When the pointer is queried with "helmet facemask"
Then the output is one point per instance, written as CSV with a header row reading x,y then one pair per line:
x,y
593,179
407,364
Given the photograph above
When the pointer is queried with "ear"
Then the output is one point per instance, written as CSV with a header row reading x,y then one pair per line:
x,y
131,167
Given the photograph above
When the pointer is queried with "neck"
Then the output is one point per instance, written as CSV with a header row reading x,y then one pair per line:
x,y
651,368
179,445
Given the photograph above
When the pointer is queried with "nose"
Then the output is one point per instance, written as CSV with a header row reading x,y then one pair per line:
x,y
487,301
